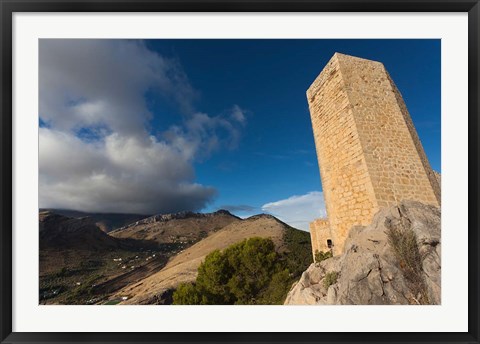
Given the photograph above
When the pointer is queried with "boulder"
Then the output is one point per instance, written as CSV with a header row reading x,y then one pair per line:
x,y
369,272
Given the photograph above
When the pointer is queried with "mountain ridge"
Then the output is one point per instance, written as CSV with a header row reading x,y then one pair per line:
x,y
174,216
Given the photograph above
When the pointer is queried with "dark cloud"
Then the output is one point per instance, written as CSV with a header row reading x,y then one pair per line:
x,y
95,152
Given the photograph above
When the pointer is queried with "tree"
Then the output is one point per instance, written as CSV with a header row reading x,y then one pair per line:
x,y
186,294
249,272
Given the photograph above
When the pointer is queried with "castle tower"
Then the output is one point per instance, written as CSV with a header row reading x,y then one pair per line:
x,y
368,150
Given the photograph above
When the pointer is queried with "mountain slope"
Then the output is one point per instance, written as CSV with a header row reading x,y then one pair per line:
x,y
73,250
67,242
183,228
146,260
61,232
183,267
80,264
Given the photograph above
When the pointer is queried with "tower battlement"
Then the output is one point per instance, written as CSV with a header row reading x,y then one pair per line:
x,y
368,150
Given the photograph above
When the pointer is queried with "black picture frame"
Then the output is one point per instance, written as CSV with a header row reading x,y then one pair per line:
x,y
9,7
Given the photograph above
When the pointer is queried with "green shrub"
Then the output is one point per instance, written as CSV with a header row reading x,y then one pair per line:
x,y
320,255
186,294
329,279
249,272
277,289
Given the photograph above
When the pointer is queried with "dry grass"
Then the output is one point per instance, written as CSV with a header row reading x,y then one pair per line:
x,y
329,279
405,247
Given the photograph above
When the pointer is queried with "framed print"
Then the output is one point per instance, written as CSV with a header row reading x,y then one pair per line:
x,y
239,171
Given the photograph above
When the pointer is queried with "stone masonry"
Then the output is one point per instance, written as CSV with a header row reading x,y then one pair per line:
x,y
368,150
320,234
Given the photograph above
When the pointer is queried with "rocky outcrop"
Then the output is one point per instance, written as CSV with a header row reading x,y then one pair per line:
x,y
369,273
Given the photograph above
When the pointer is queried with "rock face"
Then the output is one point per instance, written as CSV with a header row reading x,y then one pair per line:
x,y
369,272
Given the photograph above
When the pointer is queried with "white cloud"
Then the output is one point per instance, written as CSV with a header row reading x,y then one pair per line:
x,y
202,134
96,153
91,82
238,114
298,211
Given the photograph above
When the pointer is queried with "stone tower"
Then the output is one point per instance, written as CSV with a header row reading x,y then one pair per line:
x,y
368,150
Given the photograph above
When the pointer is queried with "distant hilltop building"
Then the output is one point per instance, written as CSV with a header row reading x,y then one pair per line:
x,y
368,150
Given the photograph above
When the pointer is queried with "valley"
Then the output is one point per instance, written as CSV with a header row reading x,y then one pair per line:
x,y
144,261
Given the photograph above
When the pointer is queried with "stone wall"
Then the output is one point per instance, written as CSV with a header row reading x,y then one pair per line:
x,y
368,151
320,234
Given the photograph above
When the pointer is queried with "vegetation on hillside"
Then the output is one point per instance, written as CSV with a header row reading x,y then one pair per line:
x,y
249,272
86,278
330,279
320,255
299,251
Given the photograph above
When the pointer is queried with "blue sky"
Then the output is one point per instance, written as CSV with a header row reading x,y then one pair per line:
x,y
166,125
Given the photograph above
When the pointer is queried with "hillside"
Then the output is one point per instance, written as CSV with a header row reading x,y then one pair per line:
x,y
174,232
79,263
57,231
141,263
183,267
